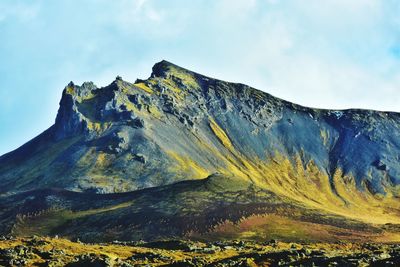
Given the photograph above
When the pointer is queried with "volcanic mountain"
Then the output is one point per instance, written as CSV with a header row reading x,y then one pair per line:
x,y
184,155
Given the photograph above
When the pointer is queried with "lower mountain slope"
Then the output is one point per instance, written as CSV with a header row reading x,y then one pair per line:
x,y
214,208
181,154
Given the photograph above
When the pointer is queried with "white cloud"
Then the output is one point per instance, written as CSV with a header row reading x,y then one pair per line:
x,y
235,9
139,4
331,54
153,15
21,11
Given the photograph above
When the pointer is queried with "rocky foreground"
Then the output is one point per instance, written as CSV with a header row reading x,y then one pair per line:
x,y
35,251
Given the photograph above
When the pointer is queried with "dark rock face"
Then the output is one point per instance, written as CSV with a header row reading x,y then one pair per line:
x,y
68,122
90,260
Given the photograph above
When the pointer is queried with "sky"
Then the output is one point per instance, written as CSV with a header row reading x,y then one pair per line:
x,y
327,54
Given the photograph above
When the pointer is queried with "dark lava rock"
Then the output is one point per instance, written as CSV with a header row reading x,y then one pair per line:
x,y
90,260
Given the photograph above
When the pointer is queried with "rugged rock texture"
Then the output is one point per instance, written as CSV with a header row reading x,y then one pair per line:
x,y
179,125
36,251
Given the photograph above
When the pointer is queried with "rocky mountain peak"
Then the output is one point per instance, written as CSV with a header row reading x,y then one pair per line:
x,y
163,68
90,110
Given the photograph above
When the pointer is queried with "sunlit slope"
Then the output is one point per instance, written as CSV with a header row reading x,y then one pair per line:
x,y
178,125
215,208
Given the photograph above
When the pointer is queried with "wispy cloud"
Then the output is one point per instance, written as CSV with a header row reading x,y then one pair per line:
x,y
337,54
333,54
18,10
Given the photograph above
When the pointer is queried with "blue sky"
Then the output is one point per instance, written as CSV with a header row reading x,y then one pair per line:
x,y
331,54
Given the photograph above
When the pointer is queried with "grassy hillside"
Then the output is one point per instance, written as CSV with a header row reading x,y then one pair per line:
x,y
215,208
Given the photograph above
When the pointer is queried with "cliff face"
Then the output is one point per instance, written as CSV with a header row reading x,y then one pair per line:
x,y
179,125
